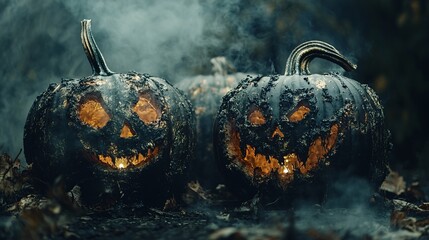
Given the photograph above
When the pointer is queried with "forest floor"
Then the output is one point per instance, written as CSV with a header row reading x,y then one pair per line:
x,y
398,210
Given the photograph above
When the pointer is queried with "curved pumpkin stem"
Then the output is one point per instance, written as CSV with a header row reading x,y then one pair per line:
x,y
300,58
221,66
95,58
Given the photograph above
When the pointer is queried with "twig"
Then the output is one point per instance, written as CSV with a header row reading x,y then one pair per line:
x,y
11,164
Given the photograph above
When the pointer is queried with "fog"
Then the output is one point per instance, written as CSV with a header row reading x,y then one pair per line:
x,y
40,42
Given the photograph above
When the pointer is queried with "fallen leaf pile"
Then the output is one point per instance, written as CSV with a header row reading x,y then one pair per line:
x,y
410,208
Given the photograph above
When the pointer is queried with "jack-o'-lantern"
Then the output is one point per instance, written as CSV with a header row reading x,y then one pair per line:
x,y
278,133
205,93
115,135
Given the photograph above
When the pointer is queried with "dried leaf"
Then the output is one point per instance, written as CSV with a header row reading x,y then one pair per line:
x,y
198,189
31,201
170,205
410,208
48,217
11,180
410,217
425,206
394,183
75,195
195,193
396,218
223,216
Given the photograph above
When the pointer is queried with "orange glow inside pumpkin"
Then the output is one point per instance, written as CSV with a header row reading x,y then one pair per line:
x,y
146,109
253,163
256,117
92,113
299,114
127,131
277,132
129,161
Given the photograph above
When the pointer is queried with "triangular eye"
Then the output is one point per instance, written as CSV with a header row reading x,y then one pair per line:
x,y
147,109
92,113
298,113
256,117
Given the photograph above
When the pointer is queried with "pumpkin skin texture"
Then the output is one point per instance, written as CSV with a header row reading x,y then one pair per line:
x,y
287,135
205,93
117,136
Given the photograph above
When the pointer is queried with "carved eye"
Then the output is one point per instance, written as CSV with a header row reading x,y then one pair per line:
x,y
92,113
299,113
147,109
256,117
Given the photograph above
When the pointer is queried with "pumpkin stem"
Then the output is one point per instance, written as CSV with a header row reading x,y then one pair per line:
x,y
300,58
95,58
221,66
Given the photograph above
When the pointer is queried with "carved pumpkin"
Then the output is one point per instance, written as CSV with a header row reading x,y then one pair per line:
x,y
113,134
205,93
278,133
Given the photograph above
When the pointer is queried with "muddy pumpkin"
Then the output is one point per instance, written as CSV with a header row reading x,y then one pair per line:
x,y
115,135
276,134
205,93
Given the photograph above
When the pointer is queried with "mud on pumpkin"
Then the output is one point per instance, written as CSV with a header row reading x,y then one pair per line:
x,y
280,129
121,151
116,135
257,164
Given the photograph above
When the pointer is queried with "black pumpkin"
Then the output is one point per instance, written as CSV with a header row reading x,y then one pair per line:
x,y
115,135
205,93
281,132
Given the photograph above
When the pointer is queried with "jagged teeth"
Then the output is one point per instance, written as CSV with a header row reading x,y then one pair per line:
x,y
124,162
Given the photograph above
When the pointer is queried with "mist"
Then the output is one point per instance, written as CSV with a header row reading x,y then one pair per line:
x,y
40,43
347,210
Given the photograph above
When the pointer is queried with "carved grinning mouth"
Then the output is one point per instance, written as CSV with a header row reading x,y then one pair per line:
x,y
262,166
124,162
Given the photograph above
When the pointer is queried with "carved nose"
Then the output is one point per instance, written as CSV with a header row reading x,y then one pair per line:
x,y
127,131
277,132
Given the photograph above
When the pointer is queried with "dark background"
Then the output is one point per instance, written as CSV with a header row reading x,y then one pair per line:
x,y
388,40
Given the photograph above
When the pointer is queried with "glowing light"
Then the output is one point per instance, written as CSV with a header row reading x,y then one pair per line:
x,y
147,110
256,118
285,170
92,113
129,161
299,114
127,131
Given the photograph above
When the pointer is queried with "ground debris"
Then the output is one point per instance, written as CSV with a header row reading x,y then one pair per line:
x,y
393,183
166,213
395,187
223,216
217,197
213,215
410,217
39,217
13,179
171,205
196,193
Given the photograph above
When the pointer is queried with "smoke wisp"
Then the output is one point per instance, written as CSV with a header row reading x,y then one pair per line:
x,y
40,42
